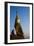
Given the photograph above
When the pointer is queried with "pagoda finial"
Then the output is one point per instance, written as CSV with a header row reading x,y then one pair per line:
x,y
16,12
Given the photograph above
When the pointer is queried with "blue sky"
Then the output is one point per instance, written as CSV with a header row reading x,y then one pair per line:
x,y
24,13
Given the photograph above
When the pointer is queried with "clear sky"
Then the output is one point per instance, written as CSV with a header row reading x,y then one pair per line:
x,y
24,13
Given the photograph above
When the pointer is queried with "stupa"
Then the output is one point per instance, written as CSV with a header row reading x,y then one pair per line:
x,y
19,32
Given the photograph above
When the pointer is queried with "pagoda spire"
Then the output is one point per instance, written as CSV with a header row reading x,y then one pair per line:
x,y
16,12
17,32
